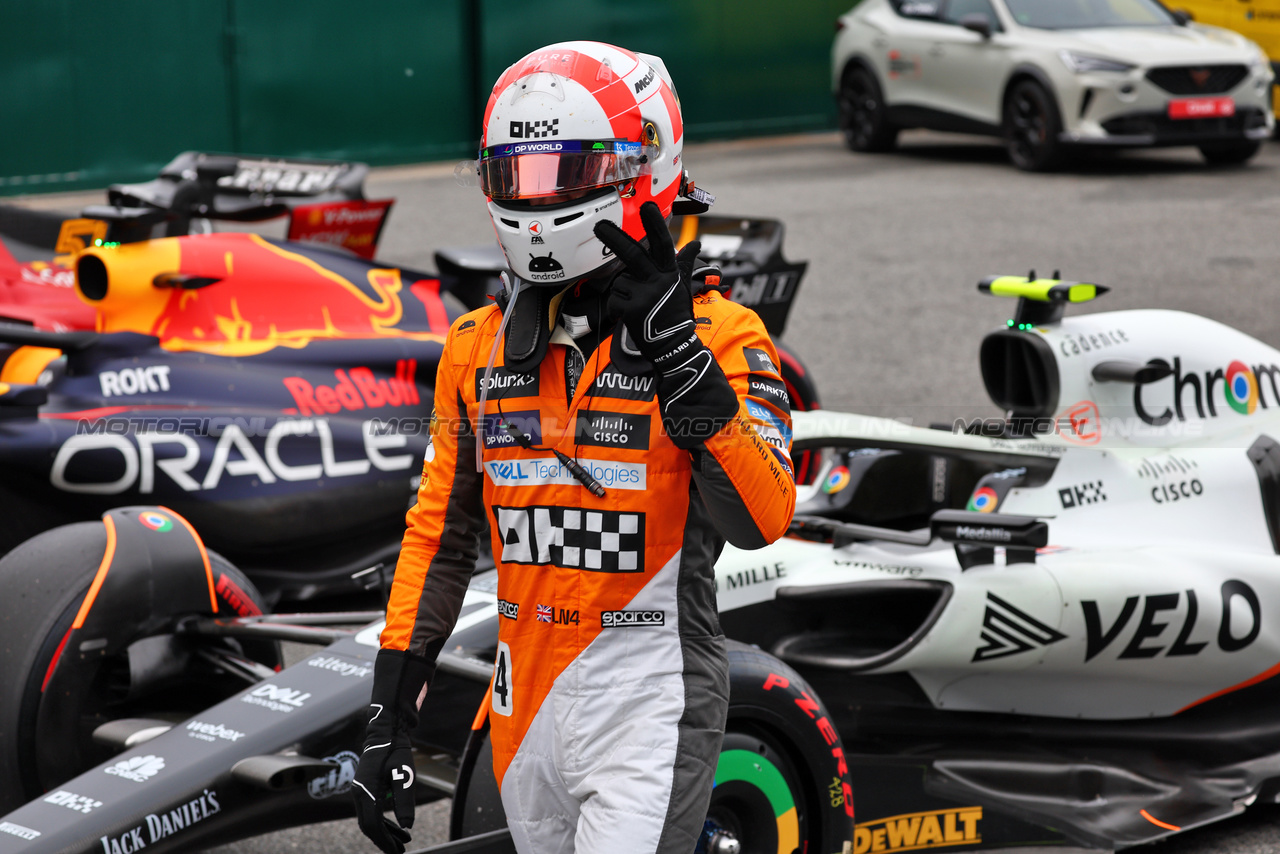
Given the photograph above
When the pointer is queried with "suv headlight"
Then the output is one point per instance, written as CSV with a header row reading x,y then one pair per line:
x,y
1259,63
1081,63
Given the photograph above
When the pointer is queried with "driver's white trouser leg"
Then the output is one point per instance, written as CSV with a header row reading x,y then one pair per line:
x,y
621,753
596,774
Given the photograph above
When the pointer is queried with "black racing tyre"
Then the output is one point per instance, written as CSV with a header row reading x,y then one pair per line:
x,y
1229,153
1032,124
802,393
801,390
862,113
782,782
44,582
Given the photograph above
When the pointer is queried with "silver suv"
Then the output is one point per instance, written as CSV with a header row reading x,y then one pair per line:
x,y
1049,74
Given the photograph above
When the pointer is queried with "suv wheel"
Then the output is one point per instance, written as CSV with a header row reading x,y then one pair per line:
x,y
1229,153
863,116
1031,127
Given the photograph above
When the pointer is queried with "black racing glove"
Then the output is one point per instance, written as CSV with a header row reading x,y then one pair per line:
x,y
384,777
653,297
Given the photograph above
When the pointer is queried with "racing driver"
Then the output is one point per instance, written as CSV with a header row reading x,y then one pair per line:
x,y
614,421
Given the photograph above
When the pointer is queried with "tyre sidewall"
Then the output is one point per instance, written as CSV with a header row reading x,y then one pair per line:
x,y
1050,153
766,694
1230,153
881,136
31,611
45,585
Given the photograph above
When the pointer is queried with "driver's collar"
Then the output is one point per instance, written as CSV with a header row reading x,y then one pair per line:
x,y
534,320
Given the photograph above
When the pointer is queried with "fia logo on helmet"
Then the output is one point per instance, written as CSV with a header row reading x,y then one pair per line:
x,y
535,229
535,130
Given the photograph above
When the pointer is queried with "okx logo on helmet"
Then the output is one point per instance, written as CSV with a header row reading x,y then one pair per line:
x,y
577,133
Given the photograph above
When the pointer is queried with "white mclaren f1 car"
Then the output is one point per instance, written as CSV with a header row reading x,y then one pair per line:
x,y
1085,654
1054,628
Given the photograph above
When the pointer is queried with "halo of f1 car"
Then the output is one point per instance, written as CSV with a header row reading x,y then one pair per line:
x,y
1045,629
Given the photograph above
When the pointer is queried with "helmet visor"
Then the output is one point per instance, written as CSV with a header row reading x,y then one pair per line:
x,y
523,170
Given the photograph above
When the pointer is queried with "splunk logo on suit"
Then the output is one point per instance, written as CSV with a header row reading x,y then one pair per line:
x,y
593,540
507,383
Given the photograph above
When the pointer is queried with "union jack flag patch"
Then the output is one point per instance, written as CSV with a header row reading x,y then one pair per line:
x,y
544,613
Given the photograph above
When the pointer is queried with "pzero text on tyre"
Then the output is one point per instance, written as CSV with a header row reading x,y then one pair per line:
x,y
782,782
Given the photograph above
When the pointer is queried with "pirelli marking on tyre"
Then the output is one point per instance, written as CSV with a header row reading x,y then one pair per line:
x,y
811,707
919,830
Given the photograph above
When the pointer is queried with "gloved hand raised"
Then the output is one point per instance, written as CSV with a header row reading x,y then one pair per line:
x,y
653,296
384,778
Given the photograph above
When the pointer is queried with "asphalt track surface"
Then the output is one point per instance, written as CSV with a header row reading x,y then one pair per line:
x,y
888,318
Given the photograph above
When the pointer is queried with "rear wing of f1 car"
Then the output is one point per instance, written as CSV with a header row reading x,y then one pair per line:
x,y
748,251
324,200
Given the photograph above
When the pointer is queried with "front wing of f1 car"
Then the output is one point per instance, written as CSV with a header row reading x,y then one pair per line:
x,y
278,754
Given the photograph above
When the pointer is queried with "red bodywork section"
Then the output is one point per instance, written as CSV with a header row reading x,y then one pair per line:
x,y
41,293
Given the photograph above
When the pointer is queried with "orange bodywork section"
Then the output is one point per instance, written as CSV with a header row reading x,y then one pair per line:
x,y
107,556
25,364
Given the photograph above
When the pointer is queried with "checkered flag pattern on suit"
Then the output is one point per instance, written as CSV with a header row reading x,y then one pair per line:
x,y
593,540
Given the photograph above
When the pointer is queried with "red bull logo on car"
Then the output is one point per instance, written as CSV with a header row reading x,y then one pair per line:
x,y
355,389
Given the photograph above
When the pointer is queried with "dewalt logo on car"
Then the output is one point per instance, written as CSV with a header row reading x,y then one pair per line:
x,y
917,831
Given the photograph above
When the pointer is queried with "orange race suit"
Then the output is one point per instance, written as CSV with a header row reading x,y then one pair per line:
x,y
609,696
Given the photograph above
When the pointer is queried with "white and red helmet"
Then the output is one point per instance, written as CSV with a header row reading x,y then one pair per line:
x,y
576,133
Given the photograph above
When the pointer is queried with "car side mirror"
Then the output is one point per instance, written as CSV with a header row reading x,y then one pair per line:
x,y
1182,16
977,23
